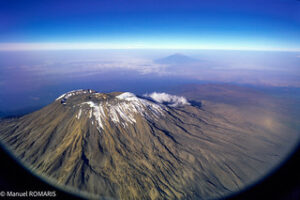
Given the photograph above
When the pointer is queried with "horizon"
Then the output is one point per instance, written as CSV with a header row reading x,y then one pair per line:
x,y
57,46
97,46
35,78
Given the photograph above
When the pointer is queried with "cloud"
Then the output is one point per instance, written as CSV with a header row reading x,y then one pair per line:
x,y
170,100
82,67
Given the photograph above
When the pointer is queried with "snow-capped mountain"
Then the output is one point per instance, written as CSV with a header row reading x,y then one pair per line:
x,y
122,146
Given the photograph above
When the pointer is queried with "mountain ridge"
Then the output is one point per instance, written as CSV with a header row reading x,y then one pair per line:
x,y
140,149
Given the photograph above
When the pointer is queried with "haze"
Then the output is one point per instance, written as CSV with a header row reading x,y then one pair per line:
x,y
33,78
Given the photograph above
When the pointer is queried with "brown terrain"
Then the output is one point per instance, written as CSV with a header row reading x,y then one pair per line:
x,y
119,146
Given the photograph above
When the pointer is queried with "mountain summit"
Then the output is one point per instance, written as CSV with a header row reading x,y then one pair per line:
x,y
176,59
105,110
121,146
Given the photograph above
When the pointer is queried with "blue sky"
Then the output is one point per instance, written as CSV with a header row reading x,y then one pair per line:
x,y
189,24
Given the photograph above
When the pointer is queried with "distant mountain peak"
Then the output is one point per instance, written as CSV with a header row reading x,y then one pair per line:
x,y
176,58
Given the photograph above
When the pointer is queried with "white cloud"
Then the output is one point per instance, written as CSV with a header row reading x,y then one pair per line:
x,y
170,100
83,68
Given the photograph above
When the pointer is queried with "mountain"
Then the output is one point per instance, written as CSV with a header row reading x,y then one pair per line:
x,y
176,59
158,146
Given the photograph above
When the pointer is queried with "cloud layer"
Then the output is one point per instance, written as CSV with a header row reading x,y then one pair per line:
x,y
170,100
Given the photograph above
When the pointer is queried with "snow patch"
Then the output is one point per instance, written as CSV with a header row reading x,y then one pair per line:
x,y
97,112
79,114
123,111
74,92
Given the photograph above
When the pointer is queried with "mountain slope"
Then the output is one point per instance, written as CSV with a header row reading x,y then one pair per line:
x,y
121,146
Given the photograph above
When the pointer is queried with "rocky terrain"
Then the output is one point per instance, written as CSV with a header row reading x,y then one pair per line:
x,y
159,146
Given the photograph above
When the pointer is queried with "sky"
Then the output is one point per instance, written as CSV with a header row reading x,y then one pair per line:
x,y
150,24
117,43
